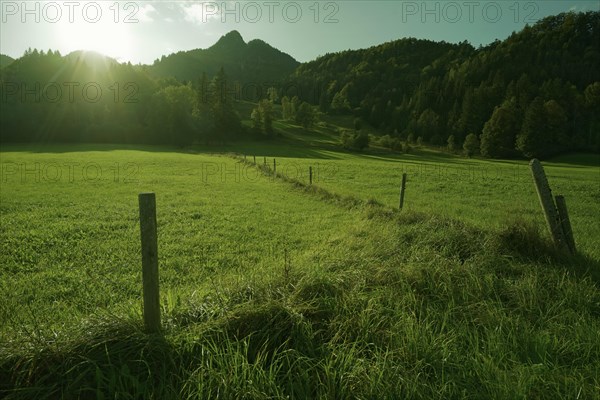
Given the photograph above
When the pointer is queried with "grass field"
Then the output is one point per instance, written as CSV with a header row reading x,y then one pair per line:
x,y
272,289
489,194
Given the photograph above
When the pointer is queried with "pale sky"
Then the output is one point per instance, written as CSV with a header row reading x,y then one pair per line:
x,y
143,31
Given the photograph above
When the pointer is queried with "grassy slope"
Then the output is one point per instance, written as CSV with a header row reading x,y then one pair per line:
x,y
487,193
366,304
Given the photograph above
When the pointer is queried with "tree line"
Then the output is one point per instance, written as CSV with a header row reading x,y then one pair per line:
x,y
90,98
86,97
535,94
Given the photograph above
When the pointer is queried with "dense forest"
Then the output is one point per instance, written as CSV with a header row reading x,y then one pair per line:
x,y
537,93
5,61
87,97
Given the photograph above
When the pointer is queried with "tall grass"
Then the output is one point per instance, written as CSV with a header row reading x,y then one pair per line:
x,y
432,308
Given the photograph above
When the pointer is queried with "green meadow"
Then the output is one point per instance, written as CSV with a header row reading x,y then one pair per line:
x,y
273,288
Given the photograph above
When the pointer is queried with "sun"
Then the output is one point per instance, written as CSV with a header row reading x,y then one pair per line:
x,y
105,37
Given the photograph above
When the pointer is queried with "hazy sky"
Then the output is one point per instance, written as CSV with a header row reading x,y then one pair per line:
x,y
143,31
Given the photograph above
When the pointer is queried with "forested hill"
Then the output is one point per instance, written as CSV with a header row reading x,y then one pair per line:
x,y
5,60
80,97
389,71
87,97
255,61
535,93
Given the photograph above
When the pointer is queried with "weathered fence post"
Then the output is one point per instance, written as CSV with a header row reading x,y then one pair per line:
x,y
244,157
265,161
254,160
147,204
310,175
547,203
402,189
565,222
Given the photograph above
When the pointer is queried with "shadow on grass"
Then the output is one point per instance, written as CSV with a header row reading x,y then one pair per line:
x,y
576,160
113,356
60,148
279,148
276,148
523,240
104,357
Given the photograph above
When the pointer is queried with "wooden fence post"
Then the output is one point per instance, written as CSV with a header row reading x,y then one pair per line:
x,y
565,222
274,167
265,161
148,230
254,160
310,175
402,189
547,203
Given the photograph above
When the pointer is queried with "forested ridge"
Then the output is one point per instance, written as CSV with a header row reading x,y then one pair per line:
x,y
534,94
252,62
5,60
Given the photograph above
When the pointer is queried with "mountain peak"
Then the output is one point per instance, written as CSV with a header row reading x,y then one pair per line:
x,y
231,39
255,61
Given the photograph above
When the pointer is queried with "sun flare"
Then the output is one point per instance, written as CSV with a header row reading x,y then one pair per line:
x,y
107,38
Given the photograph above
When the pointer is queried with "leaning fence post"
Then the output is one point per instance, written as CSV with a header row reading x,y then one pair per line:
x,y
547,203
310,175
148,231
402,189
565,222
